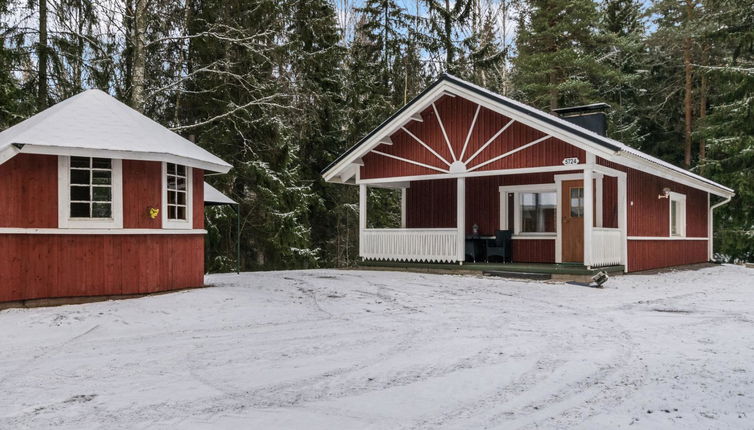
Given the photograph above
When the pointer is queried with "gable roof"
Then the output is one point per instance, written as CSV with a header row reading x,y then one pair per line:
x,y
94,123
567,131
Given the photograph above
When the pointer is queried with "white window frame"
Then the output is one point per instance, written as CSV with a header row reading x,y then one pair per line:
x,y
64,198
188,223
681,200
517,190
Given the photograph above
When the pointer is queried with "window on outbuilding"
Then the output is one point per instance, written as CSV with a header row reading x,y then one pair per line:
x,y
176,196
91,182
176,183
90,192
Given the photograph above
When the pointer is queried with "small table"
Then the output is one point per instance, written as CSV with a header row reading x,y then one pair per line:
x,y
475,247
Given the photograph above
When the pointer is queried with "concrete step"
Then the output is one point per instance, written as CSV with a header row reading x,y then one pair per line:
x,y
518,275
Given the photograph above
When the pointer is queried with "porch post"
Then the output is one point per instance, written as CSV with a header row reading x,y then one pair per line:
x,y
362,216
622,220
588,208
403,207
461,218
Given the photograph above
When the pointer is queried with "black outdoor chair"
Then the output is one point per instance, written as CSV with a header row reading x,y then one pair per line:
x,y
500,246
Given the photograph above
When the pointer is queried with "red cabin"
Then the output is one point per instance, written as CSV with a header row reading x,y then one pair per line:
x,y
97,199
473,163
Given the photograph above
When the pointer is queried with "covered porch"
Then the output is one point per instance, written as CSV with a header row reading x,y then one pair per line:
x,y
567,217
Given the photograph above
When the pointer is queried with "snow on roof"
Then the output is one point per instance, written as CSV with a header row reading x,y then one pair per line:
x,y
93,122
213,196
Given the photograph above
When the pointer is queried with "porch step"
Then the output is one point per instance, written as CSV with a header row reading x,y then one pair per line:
x,y
518,275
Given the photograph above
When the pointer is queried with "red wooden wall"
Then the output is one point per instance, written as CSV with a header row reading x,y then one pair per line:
x,y
534,251
29,191
45,266
649,216
457,116
198,191
142,189
654,254
65,265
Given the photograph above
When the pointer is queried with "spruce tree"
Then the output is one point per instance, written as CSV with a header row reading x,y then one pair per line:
x,y
556,63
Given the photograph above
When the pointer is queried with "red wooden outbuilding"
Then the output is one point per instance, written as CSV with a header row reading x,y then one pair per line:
x,y
97,199
471,163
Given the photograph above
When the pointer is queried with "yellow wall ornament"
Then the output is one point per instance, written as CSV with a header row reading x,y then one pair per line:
x,y
153,213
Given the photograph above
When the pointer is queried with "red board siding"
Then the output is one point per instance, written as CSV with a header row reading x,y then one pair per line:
x,y
29,191
533,251
142,189
45,266
198,184
457,116
609,202
655,254
650,216
431,204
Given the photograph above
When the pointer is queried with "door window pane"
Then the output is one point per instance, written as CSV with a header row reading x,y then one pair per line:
x,y
577,202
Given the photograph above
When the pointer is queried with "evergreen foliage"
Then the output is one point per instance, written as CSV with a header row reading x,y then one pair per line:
x,y
280,88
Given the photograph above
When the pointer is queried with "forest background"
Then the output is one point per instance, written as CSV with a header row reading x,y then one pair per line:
x,y
279,88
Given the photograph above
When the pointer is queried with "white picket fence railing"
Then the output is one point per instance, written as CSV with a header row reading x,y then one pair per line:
x,y
414,244
606,247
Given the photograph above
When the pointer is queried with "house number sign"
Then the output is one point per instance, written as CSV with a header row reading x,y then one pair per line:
x,y
572,160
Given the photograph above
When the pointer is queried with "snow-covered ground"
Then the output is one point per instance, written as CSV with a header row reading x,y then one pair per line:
x,y
348,349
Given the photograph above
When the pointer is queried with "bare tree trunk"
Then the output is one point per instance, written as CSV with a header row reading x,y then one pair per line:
x,y
138,39
42,56
448,39
553,92
703,90
688,107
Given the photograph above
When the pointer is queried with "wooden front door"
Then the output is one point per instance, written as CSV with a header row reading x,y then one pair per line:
x,y
573,221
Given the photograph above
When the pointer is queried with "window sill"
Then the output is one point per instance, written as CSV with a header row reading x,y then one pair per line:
x,y
530,236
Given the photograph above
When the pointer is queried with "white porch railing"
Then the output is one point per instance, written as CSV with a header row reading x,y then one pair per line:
x,y
607,249
415,244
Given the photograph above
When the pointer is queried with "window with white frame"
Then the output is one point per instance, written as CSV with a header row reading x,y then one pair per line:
x,y
677,215
91,188
90,192
537,212
177,192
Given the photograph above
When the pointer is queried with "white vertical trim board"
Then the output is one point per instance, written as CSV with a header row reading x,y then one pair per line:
x,y
461,218
362,216
403,207
588,210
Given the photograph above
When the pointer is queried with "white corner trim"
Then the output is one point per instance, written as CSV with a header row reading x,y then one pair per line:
x,y
101,231
64,198
188,223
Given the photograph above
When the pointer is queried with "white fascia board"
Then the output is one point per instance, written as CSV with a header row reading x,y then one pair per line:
x,y
531,121
648,166
126,155
8,152
386,131
543,169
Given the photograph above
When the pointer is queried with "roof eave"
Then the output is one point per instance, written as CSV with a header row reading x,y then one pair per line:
x,y
213,166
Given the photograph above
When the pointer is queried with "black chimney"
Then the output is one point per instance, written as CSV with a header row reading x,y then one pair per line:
x,y
591,117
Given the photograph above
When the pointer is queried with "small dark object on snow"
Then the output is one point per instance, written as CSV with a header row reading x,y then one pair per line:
x,y
600,278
